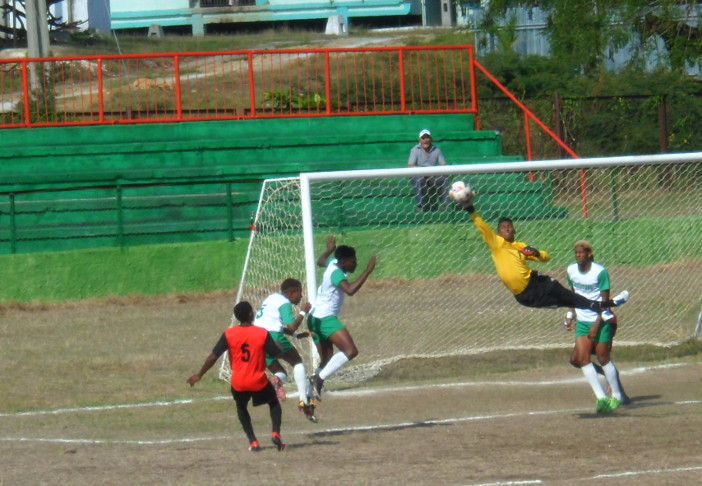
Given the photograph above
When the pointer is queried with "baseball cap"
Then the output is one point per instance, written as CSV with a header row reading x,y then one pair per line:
x,y
424,132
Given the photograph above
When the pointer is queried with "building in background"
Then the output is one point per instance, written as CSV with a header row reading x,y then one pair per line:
x,y
531,39
93,14
86,14
201,14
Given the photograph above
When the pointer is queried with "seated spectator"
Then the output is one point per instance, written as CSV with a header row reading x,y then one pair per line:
x,y
429,191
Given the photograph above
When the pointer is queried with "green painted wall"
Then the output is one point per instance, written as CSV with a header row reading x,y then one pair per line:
x,y
255,147
165,208
184,182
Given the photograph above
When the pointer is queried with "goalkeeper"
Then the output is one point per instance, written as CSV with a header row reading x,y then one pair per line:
x,y
530,288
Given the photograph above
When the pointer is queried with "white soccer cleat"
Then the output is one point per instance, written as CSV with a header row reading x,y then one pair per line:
x,y
621,298
607,315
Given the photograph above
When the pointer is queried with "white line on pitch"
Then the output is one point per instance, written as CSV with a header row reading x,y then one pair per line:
x,y
565,381
649,471
100,408
625,474
510,483
339,393
106,441
329,431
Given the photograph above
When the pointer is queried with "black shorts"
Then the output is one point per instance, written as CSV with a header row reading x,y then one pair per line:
x,y
265,395
539,292
544,291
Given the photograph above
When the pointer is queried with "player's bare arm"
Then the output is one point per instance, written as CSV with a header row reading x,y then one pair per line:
x,y
209,362
331,246
595,328
350,288
569,319
291,328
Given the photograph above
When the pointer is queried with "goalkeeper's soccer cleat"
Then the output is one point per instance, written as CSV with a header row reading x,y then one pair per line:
x,y
279,390
277,441
254,446
621,298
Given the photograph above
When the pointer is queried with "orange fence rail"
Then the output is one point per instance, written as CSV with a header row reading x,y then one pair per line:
x,y
193,86
235,84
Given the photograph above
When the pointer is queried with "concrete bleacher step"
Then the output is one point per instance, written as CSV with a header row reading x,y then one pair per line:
x,y
174,181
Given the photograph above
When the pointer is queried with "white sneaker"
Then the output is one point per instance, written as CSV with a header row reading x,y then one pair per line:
x,y
621,298
607,315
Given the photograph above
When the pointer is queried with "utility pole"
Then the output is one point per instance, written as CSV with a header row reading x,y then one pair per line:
x,y
37,37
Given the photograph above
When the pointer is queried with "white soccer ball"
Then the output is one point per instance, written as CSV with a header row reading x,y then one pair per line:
x,y
461,192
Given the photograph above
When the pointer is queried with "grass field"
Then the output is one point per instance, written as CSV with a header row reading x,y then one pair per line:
x,y
94,392
279,38
94,388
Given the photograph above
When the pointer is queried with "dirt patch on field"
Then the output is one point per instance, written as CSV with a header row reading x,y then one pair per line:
x,y
95,393
531,427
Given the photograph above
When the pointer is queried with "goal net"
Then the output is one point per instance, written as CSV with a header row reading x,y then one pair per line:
x,y
435,292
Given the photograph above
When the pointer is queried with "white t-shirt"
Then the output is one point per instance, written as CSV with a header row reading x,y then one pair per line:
x,y
275,313
590,285
330,297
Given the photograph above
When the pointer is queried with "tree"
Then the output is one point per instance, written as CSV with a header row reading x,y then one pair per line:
x,y
582,34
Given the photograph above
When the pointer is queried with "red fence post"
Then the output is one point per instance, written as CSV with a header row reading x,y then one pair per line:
x,y
327,82
176,87
401,67
101,96
252,89
25,92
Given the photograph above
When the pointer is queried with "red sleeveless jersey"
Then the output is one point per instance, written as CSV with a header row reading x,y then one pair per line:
x,y
247,356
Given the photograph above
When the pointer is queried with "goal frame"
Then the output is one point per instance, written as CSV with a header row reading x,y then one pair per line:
x,y
307,178
303,193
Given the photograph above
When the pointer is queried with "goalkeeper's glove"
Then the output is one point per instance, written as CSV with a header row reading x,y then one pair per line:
x,y
530,251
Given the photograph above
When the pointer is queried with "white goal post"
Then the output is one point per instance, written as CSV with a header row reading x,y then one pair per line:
x,y
435,292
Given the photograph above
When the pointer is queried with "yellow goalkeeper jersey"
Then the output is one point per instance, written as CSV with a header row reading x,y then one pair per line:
x,y
510,263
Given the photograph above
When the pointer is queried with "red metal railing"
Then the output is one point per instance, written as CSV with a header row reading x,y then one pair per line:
x,y
528,117
192,86
245,84
235,84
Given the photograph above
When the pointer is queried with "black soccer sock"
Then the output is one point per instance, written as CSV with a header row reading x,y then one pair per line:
x,y
276,416
245,419
599,369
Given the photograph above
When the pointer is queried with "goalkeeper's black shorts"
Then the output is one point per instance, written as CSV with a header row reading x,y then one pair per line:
x,y
544,291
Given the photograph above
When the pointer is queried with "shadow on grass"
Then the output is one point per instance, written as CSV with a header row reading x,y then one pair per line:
x,y
635,403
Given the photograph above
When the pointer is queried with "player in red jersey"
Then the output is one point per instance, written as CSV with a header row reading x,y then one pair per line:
x,y
247,346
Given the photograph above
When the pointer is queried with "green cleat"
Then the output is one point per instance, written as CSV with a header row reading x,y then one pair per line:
x,y
613,404
601,405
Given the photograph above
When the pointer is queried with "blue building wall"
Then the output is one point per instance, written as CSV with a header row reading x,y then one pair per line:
x,y
129,14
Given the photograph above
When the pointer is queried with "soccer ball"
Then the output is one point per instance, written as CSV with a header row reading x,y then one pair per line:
x,y
461,193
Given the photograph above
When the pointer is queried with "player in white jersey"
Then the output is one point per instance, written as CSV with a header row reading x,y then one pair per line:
x,y
327,329
592,333
277,316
